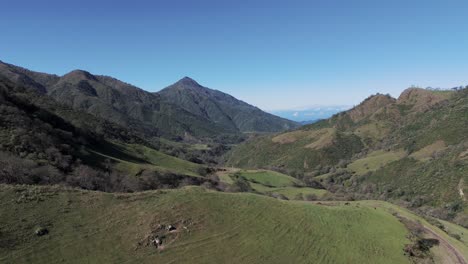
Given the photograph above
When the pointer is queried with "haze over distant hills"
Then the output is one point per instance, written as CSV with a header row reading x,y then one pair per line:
x,y
313,113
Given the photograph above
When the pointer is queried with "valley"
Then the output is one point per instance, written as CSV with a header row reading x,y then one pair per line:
x,y
96,170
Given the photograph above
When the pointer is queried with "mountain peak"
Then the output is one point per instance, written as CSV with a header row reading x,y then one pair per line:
x,y
369,106
79,75
187,81
422,99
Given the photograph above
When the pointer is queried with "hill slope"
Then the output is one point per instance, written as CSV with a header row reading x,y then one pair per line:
x,y
412,148
211,227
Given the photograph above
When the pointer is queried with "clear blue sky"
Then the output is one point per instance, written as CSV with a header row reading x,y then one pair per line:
x,y
273,54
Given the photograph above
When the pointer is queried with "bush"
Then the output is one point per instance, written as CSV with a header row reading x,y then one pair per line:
x,y
240,185
461,219
299,197
279,196
456,236
311,197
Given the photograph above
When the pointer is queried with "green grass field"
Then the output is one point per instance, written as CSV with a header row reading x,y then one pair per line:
x,y
94,227
269,178
374,161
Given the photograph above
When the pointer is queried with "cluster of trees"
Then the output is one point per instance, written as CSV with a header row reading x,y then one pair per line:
x,y
211,155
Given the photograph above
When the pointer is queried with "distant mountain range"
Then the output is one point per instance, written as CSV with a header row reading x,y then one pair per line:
x,y
310,114
183,111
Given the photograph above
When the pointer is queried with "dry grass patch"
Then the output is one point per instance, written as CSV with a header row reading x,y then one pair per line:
x,y
321,138
375,130
426,153
290,137
375,160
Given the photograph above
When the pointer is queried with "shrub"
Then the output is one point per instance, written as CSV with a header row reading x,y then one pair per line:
x,y
461,219
240,185
311,197
299,197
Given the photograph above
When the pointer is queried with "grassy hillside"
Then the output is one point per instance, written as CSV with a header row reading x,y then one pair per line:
x,y
374,161
211,227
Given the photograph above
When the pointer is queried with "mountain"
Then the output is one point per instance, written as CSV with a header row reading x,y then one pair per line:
x,y
152,114
44,142
308,122
115,101
222,108
412,150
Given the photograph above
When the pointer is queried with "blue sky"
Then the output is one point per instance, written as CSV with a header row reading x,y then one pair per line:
x,y
273,54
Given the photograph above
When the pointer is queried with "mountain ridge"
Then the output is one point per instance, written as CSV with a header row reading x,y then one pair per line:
x,y
151,113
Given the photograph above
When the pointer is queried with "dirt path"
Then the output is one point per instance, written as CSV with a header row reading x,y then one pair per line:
x,y
453,252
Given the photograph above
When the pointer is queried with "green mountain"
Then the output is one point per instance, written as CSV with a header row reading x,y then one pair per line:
x,y
222,108
412,149
177,113
44,142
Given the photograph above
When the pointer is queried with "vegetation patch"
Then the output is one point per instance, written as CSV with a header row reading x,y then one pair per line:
x,y
428,151
375,160
321,138
290,137
373,130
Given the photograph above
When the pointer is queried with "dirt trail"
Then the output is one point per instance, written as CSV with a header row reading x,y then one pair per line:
x,y
455,254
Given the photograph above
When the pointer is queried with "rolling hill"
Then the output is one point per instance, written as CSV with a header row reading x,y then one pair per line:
x,y
193,225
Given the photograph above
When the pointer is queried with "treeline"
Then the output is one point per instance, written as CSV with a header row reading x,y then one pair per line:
x,y
15,170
